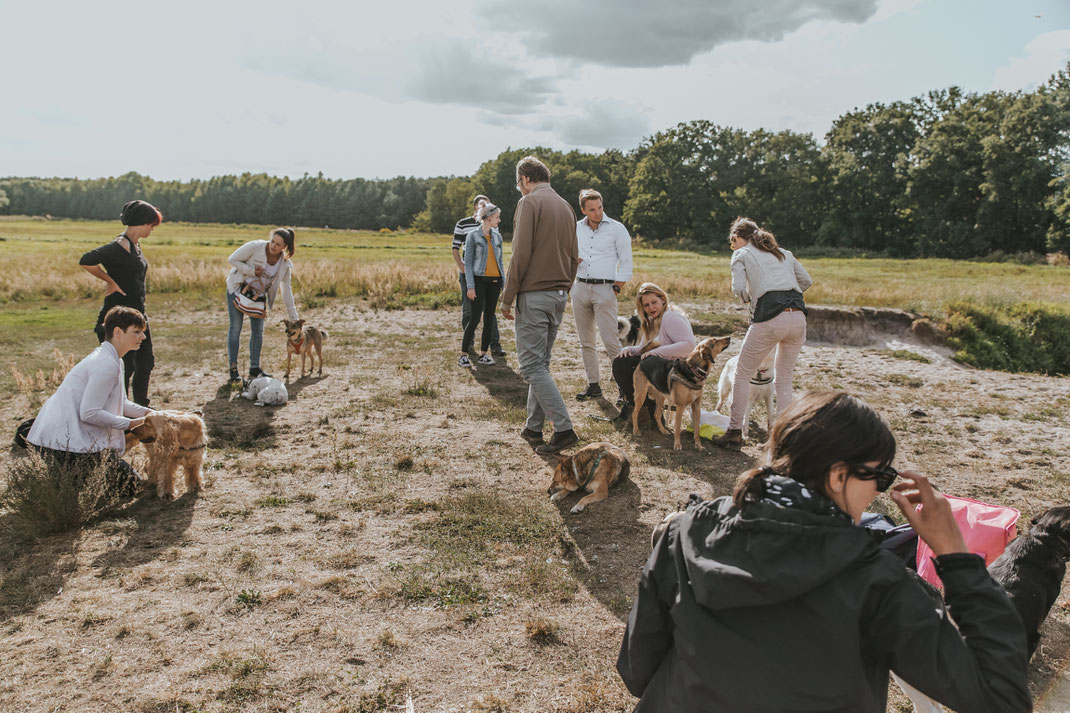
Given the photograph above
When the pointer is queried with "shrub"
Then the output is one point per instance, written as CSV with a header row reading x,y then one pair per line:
x,y
1022,337
46,496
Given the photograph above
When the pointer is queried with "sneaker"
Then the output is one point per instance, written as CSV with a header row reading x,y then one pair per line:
x,y
464,362
593,391
234,375
532,437
256,371
486,360
497,351
560,441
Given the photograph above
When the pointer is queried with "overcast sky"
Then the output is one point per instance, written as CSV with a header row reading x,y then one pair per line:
x,y
423,87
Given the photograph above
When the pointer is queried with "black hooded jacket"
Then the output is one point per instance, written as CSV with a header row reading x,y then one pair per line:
x,y
774,609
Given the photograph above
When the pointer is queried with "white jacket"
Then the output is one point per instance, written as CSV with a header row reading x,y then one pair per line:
x,y
244,262
755,272
89,411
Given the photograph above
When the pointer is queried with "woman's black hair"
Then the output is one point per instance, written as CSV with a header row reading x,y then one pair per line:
x,y
140,213
287,235
818,430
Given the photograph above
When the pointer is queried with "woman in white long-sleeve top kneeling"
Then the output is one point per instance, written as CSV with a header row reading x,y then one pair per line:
x,y
84,421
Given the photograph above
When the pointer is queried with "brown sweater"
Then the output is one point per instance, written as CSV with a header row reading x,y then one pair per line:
x,y
545,252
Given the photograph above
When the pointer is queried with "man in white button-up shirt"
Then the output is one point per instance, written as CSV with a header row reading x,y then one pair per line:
x,y
605,266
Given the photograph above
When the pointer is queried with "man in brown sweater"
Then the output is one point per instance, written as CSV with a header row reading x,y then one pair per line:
x,y
541,271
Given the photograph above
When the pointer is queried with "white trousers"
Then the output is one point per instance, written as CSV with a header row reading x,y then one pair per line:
x,y
595,306
786,333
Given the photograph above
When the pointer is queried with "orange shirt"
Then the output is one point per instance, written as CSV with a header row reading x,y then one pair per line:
x,y
492,262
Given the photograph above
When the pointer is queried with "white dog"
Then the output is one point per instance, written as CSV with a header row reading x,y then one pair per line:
x,y
266,391
761,389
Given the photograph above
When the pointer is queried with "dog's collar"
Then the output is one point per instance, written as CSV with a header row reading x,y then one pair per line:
x,y
693,377
194,448
146,440
590,474
758,380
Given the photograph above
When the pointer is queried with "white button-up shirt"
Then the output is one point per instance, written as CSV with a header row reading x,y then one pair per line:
x,y
89,410
606,252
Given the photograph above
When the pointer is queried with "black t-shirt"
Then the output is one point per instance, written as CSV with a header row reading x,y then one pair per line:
x,y
126,268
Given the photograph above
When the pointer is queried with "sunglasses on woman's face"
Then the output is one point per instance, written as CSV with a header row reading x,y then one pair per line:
x,y
884,476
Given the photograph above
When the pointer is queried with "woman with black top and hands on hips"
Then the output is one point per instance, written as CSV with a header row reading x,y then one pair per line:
x,y
122,267
258,268
771,281
773,599
483,274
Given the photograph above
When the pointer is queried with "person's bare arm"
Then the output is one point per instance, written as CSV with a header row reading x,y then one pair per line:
x,y
97,272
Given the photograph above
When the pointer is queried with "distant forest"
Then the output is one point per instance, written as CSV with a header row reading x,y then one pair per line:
x,y
948,174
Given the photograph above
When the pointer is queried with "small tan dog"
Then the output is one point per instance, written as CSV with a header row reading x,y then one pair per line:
x,y
172,439
593,469
302,340
679,380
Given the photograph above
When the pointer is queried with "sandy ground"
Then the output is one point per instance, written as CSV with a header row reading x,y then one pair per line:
x,y
311,574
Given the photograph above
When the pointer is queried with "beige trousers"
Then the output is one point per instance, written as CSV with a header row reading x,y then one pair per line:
x,y
595,306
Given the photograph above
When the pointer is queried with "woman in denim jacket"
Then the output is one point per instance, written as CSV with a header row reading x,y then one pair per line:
x,y
483,274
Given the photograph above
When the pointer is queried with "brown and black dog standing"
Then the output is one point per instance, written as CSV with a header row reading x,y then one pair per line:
x,y
679,381
302,340
593,469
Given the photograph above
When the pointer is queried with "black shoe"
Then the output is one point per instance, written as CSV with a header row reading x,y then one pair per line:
x,y
496,350
560,441
625,414
532,437
257,371
593,391
234,375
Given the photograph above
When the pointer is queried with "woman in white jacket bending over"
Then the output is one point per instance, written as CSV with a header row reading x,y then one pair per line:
x,y
258,268
771,281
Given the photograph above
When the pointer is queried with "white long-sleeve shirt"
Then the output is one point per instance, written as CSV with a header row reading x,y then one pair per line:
x,y
606,252
246,259
89,410
755,272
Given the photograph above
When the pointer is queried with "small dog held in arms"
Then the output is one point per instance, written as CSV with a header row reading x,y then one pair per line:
x,y
1032,567
761,389
266,391
593,469
172,439
302,340
679,381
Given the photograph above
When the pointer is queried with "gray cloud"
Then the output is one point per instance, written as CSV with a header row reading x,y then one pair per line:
x,y
602,124
641,34
454,74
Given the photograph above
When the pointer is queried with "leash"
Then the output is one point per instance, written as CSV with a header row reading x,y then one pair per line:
x,y
590,475
757,379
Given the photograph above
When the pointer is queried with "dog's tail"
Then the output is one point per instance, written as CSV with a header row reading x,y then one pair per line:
x,y
324,334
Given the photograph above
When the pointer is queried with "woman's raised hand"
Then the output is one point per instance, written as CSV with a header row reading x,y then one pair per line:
x,y
934,523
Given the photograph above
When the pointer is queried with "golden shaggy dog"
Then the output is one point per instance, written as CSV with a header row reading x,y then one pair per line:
x,y
173,439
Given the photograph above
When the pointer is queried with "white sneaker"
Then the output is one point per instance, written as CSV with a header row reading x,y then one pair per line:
x,y
486,359
464,362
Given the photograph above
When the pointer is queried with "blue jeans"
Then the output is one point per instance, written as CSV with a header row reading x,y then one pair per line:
x,y
256,335
466,314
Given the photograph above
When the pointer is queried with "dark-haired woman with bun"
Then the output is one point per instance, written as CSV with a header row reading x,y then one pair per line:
x,y
122,267
771,281
258,269
773,599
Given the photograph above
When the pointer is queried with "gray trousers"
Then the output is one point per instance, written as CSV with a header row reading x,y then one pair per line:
x,y
538,316
466,314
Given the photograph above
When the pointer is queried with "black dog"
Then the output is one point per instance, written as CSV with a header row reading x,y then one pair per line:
x,y
1032,567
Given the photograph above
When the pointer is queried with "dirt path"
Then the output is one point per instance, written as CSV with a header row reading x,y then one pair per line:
x,y
387,533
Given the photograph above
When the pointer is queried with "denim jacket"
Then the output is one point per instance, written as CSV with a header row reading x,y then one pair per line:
x,y
475,254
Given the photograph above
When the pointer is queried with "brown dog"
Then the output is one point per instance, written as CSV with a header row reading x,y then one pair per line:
x,y
678,380
302,340
593,468
172,439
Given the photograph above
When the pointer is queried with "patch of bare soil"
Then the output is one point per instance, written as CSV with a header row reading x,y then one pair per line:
x,y
388,534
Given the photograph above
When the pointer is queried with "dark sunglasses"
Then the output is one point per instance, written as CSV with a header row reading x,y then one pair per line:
x,y
884,476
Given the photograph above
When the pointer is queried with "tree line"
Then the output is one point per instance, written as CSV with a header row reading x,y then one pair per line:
x,y
948,174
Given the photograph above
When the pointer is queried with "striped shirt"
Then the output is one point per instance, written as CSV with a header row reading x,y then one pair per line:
x,y
461,230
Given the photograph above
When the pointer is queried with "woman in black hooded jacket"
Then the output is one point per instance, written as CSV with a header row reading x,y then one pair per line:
x,y
773,600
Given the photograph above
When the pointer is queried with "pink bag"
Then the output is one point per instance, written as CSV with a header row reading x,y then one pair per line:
x,y
986,528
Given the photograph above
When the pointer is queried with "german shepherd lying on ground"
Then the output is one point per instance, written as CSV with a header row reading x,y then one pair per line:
x,y
593,468
679,381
